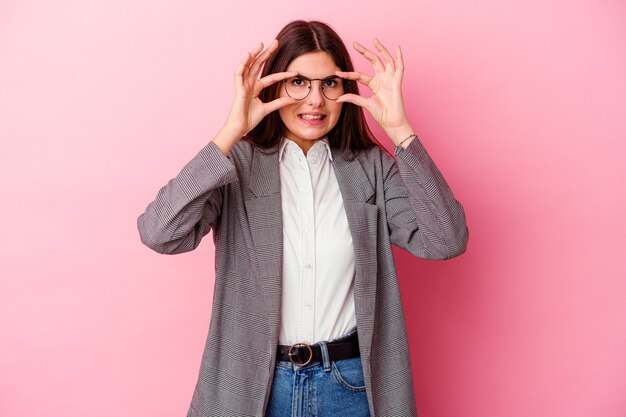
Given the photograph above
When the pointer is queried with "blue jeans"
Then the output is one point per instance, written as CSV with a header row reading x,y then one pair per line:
x,y
319,389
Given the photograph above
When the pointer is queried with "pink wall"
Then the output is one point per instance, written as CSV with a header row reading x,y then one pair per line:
x,y
522,104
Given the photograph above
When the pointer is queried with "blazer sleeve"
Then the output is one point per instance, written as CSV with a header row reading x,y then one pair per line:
x,y
423,216
188,205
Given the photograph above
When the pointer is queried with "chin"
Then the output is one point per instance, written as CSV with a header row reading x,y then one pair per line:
x,y
305,137
308,133
313,135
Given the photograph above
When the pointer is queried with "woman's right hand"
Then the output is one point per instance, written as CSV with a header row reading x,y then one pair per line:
x,y
248,109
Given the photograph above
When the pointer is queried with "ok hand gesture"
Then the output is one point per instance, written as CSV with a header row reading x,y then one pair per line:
x,y
248,109
385,104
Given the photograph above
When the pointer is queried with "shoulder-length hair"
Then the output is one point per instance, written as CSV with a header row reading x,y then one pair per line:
x,y
351,134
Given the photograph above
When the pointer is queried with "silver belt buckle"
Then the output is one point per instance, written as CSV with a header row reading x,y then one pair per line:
x,y
292,353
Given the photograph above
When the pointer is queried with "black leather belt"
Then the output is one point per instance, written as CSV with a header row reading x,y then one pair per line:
x,y
302,354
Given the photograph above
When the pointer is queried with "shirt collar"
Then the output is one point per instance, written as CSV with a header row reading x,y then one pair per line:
x,y
284,142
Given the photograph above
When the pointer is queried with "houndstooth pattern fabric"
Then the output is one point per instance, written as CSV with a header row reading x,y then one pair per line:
x,y
404,201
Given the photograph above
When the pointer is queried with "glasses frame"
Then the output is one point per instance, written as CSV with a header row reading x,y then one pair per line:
x,y
310,80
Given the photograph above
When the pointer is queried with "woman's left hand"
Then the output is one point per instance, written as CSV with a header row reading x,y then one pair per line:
x,y
385,104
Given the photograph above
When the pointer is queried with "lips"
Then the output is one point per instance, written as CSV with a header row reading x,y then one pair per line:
x,y
312,119
312,116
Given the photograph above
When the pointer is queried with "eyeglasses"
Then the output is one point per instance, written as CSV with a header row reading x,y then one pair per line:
x,y
299,87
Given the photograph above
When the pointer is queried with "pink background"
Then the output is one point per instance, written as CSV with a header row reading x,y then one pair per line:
x,y
522,105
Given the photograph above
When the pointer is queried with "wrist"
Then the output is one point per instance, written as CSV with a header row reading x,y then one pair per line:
x,y
404,143
399,134
232,131
226,138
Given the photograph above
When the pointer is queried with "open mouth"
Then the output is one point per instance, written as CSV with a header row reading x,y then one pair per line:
x,y
309,116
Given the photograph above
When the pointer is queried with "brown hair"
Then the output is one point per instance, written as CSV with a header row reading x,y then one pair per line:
x,y
351,133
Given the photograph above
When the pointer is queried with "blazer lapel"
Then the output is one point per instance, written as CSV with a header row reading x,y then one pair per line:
x,y
362,213
264,213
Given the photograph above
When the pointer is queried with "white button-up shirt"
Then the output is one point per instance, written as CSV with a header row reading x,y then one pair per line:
x,y
318,255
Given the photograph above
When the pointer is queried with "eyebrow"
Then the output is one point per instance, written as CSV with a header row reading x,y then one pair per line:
x,y
330,77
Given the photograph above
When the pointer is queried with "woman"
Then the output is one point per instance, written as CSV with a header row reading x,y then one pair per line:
x,y
304,206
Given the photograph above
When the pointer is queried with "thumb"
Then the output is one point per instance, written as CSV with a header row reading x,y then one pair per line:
x,y
278,103
354,99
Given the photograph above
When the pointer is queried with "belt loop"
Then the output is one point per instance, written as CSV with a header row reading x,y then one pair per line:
x,y
325,358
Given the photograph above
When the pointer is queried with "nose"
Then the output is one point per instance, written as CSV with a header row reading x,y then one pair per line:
x,y
315,97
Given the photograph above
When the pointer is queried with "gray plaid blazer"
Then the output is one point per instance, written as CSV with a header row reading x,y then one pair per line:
x,y
404,201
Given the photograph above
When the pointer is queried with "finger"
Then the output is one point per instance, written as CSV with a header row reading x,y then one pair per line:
x,y
241,69
355,76
256,66
370,56
354,99
250,55
250,58
277,76
273,78
386,55
278,103
399,60
256,50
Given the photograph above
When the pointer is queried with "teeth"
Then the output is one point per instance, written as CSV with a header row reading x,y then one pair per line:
x,y
312,117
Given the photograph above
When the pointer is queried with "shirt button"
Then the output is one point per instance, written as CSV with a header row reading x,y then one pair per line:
x,y
308,266
307,307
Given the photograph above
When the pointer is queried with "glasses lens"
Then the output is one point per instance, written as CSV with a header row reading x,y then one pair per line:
x,y
297,88
332,88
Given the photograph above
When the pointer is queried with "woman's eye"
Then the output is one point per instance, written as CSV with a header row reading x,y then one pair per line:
x,y
332,83
298,82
